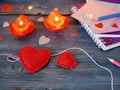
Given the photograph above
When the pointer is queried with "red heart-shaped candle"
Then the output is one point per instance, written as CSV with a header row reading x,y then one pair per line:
x,y
55,21
66,60
33,60
22,26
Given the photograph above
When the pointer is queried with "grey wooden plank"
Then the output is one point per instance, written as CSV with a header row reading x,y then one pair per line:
x,y
40,6
86,76
64,79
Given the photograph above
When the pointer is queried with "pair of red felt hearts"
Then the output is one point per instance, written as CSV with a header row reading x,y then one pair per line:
x,y
33,60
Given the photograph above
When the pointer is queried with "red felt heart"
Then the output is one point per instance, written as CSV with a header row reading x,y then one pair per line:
x,y
99,25
33,60
6,8
66,60
114,25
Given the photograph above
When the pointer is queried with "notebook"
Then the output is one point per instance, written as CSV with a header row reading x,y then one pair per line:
x,y
113,5
105,33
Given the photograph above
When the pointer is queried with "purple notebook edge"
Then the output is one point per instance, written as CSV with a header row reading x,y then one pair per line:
x,y
112,1
114,33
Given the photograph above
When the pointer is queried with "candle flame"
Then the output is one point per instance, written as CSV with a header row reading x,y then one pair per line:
x,y
21,23
56,19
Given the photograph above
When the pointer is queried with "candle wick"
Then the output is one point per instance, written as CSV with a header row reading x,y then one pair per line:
x,y
21,23
56,19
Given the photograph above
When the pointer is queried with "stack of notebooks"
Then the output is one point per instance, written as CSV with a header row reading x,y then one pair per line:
x,y
105,33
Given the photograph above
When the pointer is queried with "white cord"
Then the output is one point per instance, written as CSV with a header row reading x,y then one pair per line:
x,y
112,88
15,58
10,57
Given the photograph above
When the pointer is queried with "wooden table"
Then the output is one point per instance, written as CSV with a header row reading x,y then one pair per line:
x,y
86,76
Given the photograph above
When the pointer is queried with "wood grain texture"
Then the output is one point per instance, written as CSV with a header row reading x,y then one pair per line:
x,y
86,76
41,6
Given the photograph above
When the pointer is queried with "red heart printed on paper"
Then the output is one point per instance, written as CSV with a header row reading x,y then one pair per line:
x,y
66,60
99,25
6,8
114,25
33,60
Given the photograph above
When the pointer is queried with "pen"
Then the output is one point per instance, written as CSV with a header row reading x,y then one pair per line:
x,y
115,62
107,17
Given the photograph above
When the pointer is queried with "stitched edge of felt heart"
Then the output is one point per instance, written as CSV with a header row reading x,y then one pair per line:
x,y
99,25
29,51
66,60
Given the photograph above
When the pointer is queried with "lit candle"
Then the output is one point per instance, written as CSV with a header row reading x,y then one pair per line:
x,y
55,21
22,26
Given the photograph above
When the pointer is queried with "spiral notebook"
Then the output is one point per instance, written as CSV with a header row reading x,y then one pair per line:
x,y
105,33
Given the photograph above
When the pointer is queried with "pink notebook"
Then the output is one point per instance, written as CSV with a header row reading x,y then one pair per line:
x,y
95,9
104,27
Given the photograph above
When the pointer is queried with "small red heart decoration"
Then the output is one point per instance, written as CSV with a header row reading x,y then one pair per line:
x,y
99,25
114,25
6,8
66,60
33,60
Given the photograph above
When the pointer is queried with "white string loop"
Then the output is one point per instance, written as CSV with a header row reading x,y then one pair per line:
x,y
72,48
13,58
10,57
